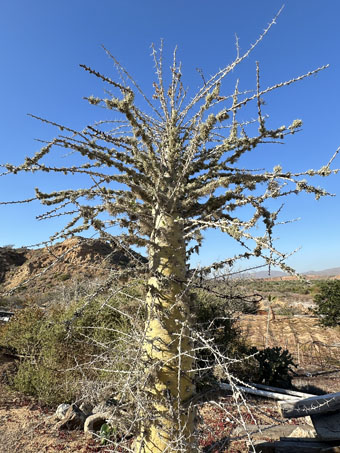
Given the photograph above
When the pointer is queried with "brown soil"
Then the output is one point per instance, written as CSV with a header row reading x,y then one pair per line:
x,y
27,427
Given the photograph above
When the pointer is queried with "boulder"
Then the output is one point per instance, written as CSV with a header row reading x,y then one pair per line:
x,y
73,419
61,410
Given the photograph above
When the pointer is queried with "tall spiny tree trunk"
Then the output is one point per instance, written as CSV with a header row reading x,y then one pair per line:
x,y
167,347
158,176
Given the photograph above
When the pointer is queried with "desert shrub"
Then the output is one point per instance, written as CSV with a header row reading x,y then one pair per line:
x,y
56,346
271,366
12,302
288,311
279,286
327,301
216,319
22,333
68,352
215,316
37,341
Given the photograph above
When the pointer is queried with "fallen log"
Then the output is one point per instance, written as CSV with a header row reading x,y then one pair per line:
x,y
323,404
279,390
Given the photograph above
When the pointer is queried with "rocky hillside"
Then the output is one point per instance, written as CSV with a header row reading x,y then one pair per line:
x,y
38,272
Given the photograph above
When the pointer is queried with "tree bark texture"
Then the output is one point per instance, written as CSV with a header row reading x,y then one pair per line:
x,y
322,404
168,355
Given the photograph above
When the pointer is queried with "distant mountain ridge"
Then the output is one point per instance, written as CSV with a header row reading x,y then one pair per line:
x,y
326,272
331,272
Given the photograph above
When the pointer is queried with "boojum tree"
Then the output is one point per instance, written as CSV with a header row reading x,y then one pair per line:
x,y
164,175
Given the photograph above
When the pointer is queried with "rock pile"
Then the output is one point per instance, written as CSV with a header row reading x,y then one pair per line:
x,y
85,417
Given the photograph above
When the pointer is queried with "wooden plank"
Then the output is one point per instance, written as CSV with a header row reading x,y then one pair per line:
x,y
272,395
324,404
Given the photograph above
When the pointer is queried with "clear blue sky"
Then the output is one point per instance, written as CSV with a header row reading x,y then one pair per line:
x,y
42,44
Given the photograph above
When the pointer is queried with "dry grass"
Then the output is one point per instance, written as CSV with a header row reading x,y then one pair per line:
x,y
312,346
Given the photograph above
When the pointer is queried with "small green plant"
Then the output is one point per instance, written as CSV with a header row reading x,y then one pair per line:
x,y
106,432
273,366
327,300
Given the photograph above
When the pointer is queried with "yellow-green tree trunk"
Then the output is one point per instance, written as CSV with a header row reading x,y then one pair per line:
x,y
167,347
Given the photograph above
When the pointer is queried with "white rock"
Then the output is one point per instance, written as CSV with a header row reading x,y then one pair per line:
x,y
303,432
61,410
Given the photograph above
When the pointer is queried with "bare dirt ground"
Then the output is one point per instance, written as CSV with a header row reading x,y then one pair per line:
x,y
26,426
